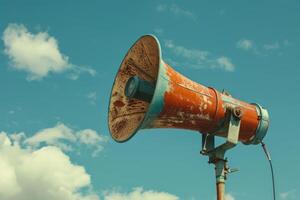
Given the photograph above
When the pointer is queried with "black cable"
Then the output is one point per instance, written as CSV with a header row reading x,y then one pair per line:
x,y
271,166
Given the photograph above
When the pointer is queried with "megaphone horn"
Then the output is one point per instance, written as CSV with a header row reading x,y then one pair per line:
x,y
148,93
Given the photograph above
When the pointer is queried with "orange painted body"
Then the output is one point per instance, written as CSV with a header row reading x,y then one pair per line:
x,y
175,101
190,105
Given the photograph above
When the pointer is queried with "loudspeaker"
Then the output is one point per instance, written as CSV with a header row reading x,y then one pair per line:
x,y
148,93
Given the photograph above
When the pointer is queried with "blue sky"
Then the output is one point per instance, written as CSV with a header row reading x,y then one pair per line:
x,y
57,64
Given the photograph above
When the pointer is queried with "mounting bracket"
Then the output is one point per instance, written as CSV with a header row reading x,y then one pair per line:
x,y
217,154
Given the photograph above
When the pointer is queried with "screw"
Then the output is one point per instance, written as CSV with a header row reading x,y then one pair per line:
x,y
237,112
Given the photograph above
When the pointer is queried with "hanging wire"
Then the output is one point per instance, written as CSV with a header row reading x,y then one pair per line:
x,y
271,166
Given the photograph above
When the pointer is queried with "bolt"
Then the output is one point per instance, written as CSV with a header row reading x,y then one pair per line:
x,y
237,112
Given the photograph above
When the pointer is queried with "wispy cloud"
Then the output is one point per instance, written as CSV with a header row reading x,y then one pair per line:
x,y
91,139
176,10
271,46
244,44
66,138
55,136
225,63
37,54
286,43
197,58
261,49
92,97
288,195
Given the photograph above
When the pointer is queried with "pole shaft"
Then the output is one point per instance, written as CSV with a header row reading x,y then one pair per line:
x,y
220,191
220,170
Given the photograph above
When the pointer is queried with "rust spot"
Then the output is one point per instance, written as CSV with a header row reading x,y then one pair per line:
x,y
119,103
120,125
126,114
139,118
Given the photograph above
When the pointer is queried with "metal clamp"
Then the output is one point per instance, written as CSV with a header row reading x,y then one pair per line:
x,y
263,125
217,154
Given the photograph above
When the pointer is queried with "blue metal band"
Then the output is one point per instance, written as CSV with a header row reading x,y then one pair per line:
x,y
263,125
157,103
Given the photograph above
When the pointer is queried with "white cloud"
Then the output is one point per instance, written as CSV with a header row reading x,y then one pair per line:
x,y
11,112
244,44
37,54
176,10
89,137
289,195
271,46
161,7
185,52
92,139
225,63
138,194
65,138
198,58
17,138
51,136
262,49
46,173
229,197
92,96
77,70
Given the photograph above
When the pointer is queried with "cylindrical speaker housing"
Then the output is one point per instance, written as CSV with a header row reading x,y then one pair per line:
x,y
177,102
190,105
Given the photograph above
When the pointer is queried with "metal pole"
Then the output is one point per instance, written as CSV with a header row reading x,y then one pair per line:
x,y
221,172
220,191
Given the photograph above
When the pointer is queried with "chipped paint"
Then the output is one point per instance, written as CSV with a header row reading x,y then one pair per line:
x,y
177,102
126,115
